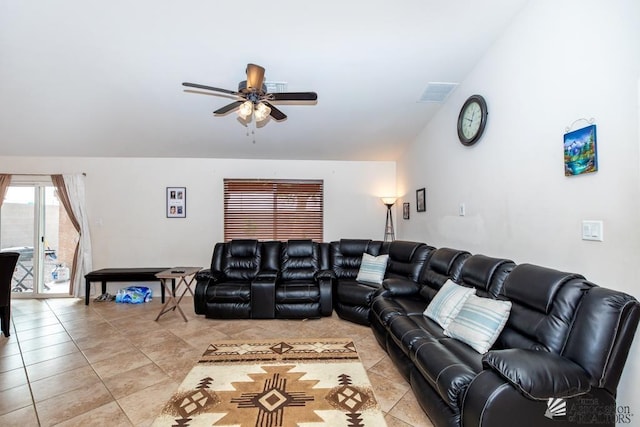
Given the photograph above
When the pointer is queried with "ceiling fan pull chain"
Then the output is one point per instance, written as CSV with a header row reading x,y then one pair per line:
x,y
252,125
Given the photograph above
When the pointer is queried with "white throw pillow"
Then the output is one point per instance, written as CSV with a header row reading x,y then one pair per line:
x,y
372,268
479,322
447,303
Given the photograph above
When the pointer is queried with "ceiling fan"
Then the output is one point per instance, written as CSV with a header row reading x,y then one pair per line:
x,y
253,98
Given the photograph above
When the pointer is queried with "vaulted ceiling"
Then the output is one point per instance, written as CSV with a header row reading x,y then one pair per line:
x,y
103,78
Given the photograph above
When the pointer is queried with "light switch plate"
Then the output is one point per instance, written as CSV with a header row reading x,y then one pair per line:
x,y
592,230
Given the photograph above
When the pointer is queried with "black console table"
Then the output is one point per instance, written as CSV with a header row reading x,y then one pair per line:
x,y
122,275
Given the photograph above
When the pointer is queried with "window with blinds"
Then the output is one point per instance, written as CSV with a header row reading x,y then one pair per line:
x,y
273,209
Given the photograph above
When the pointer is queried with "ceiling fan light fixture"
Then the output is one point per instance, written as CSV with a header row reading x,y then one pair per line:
x,y
246,109
262,112
253,99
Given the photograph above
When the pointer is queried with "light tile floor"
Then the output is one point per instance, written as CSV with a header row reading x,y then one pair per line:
x,y
111,364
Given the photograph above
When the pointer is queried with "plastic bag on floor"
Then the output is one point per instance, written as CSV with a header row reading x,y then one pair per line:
x,y
134,295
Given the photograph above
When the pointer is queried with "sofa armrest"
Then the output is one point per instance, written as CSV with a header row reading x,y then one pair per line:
x,y
325,284
200,293
204,279
203,274
539,374
263,294
325,274
400,287
207,274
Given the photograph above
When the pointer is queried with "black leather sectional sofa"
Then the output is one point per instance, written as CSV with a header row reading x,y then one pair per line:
x,y
557,362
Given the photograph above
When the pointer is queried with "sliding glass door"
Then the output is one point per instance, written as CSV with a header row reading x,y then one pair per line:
x,y
34,224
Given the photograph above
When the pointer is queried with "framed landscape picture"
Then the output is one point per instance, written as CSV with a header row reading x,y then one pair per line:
x,y
405,210
580,151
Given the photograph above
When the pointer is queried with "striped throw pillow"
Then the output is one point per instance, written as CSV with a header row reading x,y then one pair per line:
x,y
479,322
372,268
447,303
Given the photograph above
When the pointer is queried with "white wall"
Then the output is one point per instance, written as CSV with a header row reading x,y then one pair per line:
x,y
558,62
126,202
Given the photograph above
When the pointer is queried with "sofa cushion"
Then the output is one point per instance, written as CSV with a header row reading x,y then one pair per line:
x,y
443,264
241,260
544,303
486,274
351,292
243,248
535,286
479,322
448,366
372,268
405,332
406,259
539,374
229,292
297,292
300,260
447,303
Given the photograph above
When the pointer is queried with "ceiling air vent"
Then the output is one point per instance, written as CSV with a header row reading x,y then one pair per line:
x,y
276,87
437,92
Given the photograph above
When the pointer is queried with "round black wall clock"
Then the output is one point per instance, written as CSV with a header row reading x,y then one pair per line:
x,y
472,120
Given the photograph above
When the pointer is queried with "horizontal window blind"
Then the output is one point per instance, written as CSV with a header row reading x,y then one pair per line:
x,y
273,209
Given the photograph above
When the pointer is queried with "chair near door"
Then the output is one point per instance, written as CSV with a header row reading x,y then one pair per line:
x,y
8,261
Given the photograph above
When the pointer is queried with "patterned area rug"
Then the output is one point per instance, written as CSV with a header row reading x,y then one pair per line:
x,y
312,382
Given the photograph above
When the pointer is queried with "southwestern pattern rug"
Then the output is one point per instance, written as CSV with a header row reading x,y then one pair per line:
x,y
275,383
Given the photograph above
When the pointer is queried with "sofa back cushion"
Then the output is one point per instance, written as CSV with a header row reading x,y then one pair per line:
x,y
218,254
443,264
300,260
544,303
406,259
485,274
240,259
602,333
346,256
270,256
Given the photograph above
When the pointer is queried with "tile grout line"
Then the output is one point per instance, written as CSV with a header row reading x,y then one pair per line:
x,y
26,373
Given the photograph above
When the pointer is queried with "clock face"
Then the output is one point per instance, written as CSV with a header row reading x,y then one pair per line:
x,y
472,120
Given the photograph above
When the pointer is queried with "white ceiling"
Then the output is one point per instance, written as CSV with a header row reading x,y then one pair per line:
x,y
103,78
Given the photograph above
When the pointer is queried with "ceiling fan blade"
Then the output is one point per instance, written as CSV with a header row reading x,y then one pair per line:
x,y
228,107
215,89
294,96
255,77
275,113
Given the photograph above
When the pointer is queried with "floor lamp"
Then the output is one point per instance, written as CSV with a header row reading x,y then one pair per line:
x,y
389,233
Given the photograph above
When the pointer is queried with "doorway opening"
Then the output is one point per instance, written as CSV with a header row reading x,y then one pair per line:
x,y
35,224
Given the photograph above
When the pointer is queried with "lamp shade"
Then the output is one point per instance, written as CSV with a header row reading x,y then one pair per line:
x,y
262,112
245,109
389,201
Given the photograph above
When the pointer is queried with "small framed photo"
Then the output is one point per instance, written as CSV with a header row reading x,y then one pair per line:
x,y
176,202
405,210
421,200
